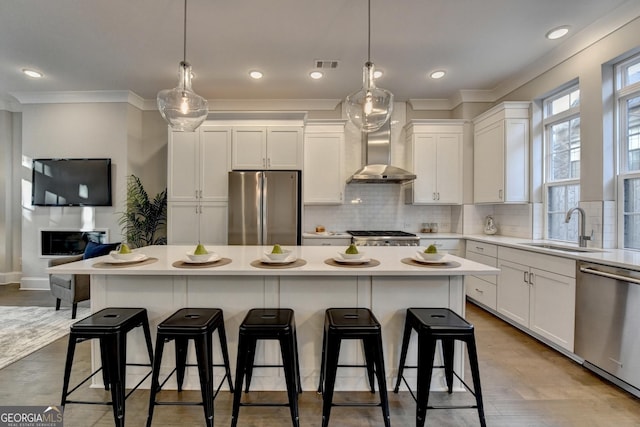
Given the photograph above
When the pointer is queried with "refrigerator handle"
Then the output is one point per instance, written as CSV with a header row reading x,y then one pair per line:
x,y
263,208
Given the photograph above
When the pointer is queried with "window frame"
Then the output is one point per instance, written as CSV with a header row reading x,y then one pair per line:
x,y
548,121
623,92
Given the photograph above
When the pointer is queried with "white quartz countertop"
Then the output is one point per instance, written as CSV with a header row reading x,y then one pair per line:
x,y
163,258
614,257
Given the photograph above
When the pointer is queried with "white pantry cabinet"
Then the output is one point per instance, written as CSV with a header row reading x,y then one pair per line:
x,y
198,164
323,180
187,219
434,153
267,147
538,292
501,154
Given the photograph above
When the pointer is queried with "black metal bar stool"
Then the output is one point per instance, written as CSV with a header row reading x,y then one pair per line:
x,y
197,324
268,324
110,326
433,324
352,324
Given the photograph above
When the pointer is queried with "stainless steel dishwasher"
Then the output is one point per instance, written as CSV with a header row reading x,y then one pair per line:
x,y
608,323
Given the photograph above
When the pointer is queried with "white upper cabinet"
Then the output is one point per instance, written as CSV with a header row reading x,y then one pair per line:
x,y
323,180
501,154
198,164
434,154
270,147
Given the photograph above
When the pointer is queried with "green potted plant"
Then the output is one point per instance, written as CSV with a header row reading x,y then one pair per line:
x,y
144,221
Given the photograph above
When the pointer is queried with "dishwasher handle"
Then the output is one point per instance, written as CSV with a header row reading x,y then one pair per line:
x,y
610,275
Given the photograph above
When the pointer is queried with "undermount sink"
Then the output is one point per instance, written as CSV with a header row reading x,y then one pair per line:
x,y
561,248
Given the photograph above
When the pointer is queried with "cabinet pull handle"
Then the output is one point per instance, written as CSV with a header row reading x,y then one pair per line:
x,y
531,278
433,196
269,162
480,291
479,248
196,195
526,277
264,162
500,194
201,194
438,193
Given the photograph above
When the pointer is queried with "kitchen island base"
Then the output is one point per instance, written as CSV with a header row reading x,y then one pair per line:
x,y
309,296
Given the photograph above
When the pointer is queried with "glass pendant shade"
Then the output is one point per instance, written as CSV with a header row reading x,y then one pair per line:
x,y
370,107
181,107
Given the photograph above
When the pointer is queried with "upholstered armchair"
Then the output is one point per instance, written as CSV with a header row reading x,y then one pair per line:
x,y
71,288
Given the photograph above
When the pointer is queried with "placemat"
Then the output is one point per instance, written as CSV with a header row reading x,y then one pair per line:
x,y
103,264
218,263
259,264
332,262
446,264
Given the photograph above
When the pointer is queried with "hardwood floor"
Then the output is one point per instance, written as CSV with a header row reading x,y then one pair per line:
x,y
524,383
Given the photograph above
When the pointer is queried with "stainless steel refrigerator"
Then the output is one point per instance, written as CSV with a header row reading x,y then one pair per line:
x,y
264,208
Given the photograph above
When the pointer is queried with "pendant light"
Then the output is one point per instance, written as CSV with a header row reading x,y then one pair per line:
x,y
370,107
181,107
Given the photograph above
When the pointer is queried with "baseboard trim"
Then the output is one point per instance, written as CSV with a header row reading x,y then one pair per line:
x,y
11,277
34,283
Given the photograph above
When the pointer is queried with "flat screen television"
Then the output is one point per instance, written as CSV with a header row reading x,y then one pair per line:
x,y
71,182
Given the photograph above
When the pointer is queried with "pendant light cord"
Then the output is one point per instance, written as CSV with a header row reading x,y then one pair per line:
x,y
369,33
184,48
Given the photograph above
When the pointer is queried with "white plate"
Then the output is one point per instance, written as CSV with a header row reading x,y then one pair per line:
x,y
287,260
341,260
442,260
138,258
214,258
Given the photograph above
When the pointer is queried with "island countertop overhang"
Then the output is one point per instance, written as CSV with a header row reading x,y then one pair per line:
x,y
241,257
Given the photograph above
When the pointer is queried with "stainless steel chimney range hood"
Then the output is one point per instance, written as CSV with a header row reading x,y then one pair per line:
x,y
376,154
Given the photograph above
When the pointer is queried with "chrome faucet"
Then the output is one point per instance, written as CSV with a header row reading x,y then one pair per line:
x,y
582,238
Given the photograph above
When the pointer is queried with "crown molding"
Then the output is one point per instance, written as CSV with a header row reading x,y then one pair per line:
x,y
10,104
79,97
273,104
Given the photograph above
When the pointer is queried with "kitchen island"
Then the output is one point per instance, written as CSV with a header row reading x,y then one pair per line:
x,y
388,285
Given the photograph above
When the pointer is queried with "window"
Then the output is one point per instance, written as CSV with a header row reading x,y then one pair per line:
x,y
628,114
562,162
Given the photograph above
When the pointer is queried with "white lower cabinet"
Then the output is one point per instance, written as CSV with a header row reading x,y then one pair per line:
x,y
187,220
536,298
313,241
482,289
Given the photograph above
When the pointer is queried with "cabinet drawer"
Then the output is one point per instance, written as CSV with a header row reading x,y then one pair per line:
x,y
442,244
554,264
481,291
482,248
326,242
486,260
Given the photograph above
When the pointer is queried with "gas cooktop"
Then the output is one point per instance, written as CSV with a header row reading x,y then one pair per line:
x,y
383,238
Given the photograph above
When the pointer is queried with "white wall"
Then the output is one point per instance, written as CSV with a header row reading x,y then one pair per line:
x,y
71,130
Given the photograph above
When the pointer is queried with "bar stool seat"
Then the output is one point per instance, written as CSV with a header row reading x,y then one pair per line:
x,y
358,324
110,326
197,324
433,324
268,324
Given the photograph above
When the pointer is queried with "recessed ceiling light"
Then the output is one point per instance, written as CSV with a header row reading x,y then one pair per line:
x,y
255,74
437,74
316,75
32,73
377,74
556,33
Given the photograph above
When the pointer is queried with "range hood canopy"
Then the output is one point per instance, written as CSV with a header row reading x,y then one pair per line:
x,y
376,152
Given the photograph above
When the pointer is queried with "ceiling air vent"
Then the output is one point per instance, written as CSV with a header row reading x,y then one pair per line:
x,y
326,64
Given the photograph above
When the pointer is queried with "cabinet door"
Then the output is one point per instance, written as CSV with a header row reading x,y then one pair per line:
x,y
183,166
513,292
425,164
249,148
488,164
215,162
213,223
182,223
322,176
284,148
448,169
552,308
516,160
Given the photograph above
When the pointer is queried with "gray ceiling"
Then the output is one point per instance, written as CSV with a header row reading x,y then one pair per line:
x,y
136,45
